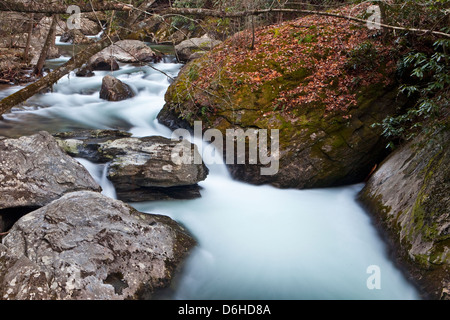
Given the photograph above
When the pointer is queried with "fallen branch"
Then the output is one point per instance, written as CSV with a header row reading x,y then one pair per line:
x,y
37,7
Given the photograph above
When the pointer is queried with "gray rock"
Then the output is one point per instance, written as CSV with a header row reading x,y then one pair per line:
x,y
89,27
88,246
146,162
409,198
35,171
85,71
141,169
127,51
103,64
188,47
115,90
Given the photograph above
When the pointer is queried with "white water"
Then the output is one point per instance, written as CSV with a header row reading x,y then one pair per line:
x,y
254,242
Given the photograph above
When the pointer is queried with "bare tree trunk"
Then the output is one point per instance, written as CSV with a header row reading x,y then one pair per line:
x,y
30,34
48,43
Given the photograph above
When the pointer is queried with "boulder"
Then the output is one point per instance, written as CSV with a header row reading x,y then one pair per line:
x,y
20,278
85,71
86,246
46,22
89,27
141,169
147,162
35,171
115,90
75,36
187,48
323,111
103,64
128,51
408,197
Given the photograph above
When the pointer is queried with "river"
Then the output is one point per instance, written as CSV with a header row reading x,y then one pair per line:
x,y
254,242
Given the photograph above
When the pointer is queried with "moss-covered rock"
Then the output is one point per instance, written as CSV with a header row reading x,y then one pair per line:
x,y
299,80
409,197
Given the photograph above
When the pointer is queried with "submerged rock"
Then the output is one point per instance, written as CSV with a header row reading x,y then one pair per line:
x,y
409,198
115,90
35,171
141,169
88,246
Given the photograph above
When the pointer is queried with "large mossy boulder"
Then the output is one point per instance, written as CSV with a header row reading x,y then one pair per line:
x,y
409,197
321,82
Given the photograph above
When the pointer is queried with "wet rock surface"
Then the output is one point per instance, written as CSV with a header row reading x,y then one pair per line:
x,y
88,246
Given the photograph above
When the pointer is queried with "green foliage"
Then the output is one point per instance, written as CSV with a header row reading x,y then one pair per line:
x,y
430,85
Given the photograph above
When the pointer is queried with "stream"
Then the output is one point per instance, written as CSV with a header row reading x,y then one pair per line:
x,y
254,242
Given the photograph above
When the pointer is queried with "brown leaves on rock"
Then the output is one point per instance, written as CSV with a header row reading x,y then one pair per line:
x,y
319,45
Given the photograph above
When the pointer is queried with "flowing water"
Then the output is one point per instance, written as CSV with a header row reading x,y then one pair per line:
x,y
254,242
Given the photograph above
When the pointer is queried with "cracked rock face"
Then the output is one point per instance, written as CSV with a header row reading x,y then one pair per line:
x,y
35,171
88,246
141,169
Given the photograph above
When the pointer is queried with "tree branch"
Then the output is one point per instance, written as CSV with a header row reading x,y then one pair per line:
x,y
237,14
38,7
